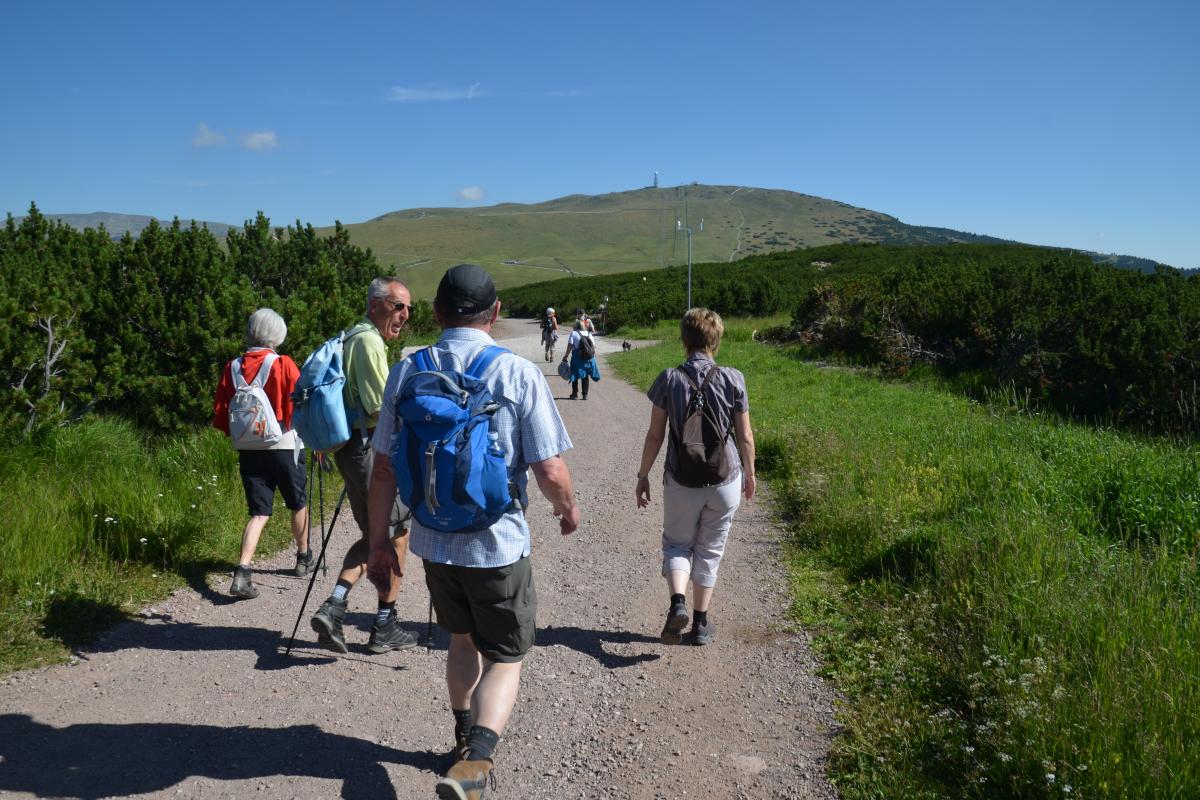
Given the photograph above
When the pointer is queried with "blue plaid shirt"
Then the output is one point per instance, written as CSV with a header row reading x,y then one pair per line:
x,y
530,429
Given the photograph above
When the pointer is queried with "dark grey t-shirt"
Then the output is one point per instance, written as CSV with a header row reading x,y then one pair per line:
x,y
727,389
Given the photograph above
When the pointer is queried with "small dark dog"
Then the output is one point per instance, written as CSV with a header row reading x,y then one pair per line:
x,y
626,346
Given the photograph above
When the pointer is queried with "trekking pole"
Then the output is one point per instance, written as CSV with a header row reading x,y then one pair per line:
x,y
320,559
321,512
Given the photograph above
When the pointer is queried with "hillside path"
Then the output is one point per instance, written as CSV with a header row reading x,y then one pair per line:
x,y
194,698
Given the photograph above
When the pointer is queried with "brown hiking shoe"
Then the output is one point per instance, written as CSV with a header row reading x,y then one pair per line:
x,y
467,780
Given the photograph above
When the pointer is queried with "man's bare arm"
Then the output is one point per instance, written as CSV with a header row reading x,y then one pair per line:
x,y
554,480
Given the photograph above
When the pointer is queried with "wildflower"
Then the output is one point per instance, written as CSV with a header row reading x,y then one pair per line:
x,y
968,749
109,520
1066,788
1005,757
193,505
1049,777
143,540
199,488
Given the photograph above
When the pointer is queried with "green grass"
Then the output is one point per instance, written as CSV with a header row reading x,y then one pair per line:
x,y
1008,603
99,520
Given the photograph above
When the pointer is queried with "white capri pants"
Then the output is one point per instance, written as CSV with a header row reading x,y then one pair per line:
x,y
696,524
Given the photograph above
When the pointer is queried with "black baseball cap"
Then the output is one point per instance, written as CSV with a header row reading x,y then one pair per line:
x,y
466,289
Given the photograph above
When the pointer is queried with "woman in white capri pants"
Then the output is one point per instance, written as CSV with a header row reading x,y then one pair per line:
x,y
709,468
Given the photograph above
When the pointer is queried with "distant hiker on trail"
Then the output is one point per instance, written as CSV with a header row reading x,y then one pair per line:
x,y
549,332
581,316
478,573
703,407
253,404
366,367
581,350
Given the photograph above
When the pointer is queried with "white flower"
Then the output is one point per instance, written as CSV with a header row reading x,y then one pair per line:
x,y
193,505
143,540
109,520
1049,777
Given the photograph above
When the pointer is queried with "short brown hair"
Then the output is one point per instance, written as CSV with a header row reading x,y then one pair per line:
x,y
701,329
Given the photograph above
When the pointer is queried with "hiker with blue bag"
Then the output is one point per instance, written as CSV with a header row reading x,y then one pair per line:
x,y
581,351
253,404
465,422
365,364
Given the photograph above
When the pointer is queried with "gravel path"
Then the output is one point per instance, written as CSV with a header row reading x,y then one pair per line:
x,y
195,699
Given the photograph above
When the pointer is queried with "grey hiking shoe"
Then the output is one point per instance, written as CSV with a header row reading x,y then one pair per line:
x,y
305,564
390,637
467,780
242,587
677,620
327,622
702,634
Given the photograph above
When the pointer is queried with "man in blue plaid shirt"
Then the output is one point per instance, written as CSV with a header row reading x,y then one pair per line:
x,y
481,583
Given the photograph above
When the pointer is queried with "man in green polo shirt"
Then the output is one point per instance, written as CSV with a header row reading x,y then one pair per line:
x,y
365,364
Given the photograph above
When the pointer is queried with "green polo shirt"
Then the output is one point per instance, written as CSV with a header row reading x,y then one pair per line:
x,y
364,359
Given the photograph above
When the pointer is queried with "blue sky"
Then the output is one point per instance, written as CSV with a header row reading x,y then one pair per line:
x,y
1062,123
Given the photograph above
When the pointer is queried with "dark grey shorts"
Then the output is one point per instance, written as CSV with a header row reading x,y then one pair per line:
x,y
264,471
496,605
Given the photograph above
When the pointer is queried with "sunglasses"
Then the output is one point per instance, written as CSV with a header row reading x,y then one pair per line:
x,y
397,306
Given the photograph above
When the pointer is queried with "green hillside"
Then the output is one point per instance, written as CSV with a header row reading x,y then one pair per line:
x,y
624,231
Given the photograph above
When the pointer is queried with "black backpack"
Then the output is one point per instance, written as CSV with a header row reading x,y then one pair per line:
x,y
701,458
587,348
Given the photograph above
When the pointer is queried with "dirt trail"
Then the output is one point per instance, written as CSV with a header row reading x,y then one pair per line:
x,y
195,699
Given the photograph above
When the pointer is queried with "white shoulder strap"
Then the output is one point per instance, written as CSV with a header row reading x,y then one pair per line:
x,y
260,380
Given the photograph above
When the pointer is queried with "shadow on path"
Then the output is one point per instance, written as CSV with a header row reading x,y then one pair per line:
x,y
591,643
194,637
100,760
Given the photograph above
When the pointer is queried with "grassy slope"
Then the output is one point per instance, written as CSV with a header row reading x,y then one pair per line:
x,y
620,232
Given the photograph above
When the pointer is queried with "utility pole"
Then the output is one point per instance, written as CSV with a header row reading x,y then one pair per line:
x,y
689,238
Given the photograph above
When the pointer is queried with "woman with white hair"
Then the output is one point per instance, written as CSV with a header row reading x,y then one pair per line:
x,y
268,459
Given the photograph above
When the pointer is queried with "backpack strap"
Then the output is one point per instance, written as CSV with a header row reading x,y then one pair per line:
x,y
484,359
260,380
239,380
235,372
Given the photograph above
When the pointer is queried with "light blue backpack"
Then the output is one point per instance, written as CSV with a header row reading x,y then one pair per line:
x,y
320,415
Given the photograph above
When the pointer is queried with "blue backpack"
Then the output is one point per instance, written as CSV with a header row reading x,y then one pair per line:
x,y
449,466
320,415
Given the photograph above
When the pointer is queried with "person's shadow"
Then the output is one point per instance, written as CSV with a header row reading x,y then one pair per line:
x,y
591,643
103,760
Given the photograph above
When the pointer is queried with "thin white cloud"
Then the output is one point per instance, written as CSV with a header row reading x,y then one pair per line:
x,y
206,137
260,140
410,94
472,194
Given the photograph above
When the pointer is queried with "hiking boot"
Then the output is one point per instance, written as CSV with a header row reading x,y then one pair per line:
x,y
467,780
242,587
390,637
573,396
677,620
305,564
702,634
327,622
